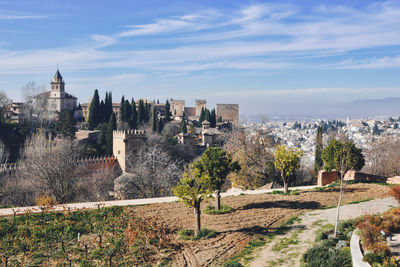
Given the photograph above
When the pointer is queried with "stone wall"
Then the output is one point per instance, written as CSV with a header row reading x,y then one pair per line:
x,y
177,107
125,143
325,178
200,103
229,113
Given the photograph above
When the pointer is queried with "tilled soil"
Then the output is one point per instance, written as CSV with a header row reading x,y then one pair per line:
x,y
254,215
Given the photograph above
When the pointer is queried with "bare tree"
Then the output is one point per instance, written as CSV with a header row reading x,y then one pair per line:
x,y
3,153
96,185
383,157
255,153
38,110
4,102
151,173
50,166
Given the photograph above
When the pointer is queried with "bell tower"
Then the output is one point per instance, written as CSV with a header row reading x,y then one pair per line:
x,y
57,86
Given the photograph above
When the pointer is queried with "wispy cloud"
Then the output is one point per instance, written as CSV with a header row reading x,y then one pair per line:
x,y
10,15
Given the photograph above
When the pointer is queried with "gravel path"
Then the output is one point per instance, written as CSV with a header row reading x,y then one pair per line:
x,y
131,202
304,232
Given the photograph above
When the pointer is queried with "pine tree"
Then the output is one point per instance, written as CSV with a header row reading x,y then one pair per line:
x,y
128,111
213,119
202,114
94,111
122,109
207,115
111,127
167,111
134,117
318,151
154,119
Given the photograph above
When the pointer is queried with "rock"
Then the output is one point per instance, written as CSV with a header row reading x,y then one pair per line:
x,y
341,244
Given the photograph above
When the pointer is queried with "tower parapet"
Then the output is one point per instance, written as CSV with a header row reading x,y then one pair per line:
x,y
125,143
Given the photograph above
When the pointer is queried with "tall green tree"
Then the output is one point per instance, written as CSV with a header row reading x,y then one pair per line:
x,y
213,119
122,111
287,160
207,115
141,112
342,156
217,164
318,163
133,121
128,111
160,125
111,127
65,125
183,126
108,106
191,190
94,111
202,115
102,113
154,120
167,111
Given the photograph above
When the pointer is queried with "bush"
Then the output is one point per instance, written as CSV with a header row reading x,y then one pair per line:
x,y
395,192
320,189
294,193
223,210
321,236
372,258
323,256
188,234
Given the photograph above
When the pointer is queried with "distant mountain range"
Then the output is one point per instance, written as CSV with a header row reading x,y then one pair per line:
x,y
389,106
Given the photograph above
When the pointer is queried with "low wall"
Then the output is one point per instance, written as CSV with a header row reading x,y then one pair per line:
x,y
355,250
325,178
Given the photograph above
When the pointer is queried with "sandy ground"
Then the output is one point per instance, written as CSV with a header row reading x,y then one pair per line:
x,y
254,216
306,229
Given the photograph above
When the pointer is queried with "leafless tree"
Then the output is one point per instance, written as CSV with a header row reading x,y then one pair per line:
x,y
151,173
4,102
50,166
255,154
383,157
3,153
95,185
37,110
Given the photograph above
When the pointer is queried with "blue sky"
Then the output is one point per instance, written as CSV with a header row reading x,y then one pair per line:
x,y
268,56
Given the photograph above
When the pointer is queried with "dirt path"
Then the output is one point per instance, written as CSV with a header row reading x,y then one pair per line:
x,y
286,250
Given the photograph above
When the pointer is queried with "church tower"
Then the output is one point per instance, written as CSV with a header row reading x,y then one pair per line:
x,y
57,86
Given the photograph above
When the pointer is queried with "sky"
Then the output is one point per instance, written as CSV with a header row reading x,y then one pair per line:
x,y
286,57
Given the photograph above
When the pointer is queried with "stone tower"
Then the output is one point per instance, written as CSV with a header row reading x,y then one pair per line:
x,y
200,104
125,143
57,86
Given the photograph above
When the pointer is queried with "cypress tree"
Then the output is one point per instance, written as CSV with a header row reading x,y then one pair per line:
x,y
141,112
108,106
167,111
94,111
318,152
160,125
128,111
154,119
122,109
213,119
202,114
207,115
134,117
147,111
102,113
183,126
112,126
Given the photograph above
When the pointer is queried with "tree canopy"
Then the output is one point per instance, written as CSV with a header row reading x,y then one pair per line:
x,y
287,160
342,156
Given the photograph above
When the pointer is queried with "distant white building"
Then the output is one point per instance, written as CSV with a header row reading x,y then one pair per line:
x,y
57,98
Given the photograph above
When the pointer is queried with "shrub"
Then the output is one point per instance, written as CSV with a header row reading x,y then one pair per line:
x,y
46,201
321,236
294,193
324,256
320,189
188,234
223,210
372,258
395,192
316,256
